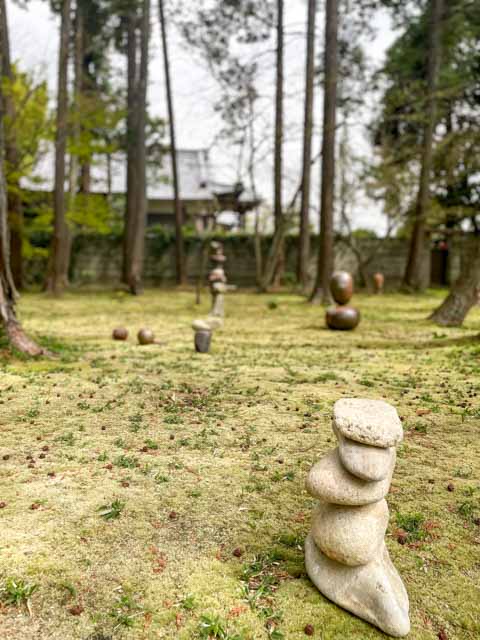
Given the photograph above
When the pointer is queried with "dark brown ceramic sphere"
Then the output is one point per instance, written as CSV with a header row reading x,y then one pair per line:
x,y
342,318
203,340
120,333
341,286
378,282
146,336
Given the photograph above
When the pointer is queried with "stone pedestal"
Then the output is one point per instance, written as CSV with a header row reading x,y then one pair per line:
x,y
345,553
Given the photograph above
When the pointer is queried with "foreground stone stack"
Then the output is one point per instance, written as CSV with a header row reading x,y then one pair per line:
x,y
345,553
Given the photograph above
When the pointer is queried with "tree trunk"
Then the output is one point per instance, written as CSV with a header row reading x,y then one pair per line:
x,y
179,244
132,112
60,248
464,294
304,237
14,199
74,169
140,212
321,291
278,153
413,274
15,334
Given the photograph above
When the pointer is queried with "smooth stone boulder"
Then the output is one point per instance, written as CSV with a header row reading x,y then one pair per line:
x,y
341,286
330,482
364,461
373,592
203,340
372,422
201,325
342,318
350,535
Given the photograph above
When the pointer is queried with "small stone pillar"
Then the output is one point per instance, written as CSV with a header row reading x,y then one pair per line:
x,y
203,336
342,317
345,553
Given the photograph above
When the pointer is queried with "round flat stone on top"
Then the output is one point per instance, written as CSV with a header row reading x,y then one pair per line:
x,y
372,422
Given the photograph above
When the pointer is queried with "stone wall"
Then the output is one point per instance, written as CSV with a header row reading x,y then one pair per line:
x,y
98,259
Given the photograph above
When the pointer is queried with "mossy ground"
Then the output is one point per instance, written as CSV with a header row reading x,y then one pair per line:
x,y
208,455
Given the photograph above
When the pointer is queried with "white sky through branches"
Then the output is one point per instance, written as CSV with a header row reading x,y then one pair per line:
x,y
34,40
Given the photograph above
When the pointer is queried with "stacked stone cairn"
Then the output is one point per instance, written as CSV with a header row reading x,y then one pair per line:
x,y
342,317
345,553
217,280
218,286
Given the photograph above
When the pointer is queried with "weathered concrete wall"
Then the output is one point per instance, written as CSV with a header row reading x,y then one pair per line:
x,y
98,260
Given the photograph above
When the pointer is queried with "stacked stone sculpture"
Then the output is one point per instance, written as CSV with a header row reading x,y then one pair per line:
x,y
218,286
342,317
345,553
217,280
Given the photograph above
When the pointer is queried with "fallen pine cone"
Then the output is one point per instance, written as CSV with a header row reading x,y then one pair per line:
x,y
76,610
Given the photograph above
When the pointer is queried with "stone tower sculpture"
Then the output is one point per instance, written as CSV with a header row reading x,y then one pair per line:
x,y
217,280
345,553
342,317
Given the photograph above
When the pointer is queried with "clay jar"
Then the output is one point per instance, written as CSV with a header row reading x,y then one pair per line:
x,y
146,336
378,282
341,286
203,340
120,333
343,318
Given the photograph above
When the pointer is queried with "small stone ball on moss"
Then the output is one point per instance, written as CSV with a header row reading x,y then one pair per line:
x,y
146,336
120,333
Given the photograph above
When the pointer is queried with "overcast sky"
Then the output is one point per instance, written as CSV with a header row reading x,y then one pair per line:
x,y
34,39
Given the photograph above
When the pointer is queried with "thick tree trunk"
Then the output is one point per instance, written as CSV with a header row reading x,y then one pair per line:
x,y
60,249
179,244
413,274
304,237
464,294
278,152
14,199
16,335
321,291
140,212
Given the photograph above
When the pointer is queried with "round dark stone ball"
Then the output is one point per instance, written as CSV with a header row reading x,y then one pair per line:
x,y
120,333
342,318
146,336
341,286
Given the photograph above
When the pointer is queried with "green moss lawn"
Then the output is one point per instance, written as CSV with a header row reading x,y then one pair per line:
x,y
149,492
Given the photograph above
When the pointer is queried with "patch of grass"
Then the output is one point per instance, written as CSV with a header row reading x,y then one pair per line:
x,y
112,511
200,517
413,524
16,592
